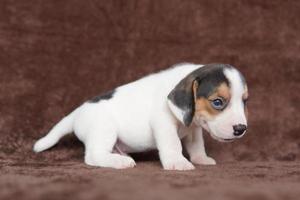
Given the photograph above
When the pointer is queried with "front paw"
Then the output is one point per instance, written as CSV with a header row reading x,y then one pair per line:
x,y
177,163
203,160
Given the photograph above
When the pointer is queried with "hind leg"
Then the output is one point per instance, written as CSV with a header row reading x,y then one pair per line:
x,y
98,150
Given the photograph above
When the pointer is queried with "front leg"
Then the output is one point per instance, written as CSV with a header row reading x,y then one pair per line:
x,y
194,145
169,146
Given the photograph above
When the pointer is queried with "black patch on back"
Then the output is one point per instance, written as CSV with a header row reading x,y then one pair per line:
x,y
209,77
104,96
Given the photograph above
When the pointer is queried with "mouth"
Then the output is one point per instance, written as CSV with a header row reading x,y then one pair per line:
x,y
221,139
206,127
228,140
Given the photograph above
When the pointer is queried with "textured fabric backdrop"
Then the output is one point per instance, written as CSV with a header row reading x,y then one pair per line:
x,y
54,55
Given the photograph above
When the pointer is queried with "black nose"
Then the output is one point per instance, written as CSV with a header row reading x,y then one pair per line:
x,y
239,129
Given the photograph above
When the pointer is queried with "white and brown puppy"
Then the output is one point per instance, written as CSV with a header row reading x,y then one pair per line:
x,y
156,112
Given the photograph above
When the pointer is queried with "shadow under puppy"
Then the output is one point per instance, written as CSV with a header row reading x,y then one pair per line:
x,y
156,112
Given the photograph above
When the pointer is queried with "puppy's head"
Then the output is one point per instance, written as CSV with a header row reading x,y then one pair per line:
x,y
214,97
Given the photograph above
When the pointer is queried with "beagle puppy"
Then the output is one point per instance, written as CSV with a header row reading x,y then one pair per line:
x,y
164,111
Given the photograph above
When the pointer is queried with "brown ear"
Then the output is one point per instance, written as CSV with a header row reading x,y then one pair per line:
x,y
181,100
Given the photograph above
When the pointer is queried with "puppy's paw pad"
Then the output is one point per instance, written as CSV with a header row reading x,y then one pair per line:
x,y
178,164
200,160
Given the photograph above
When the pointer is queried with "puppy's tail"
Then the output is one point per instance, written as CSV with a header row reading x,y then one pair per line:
x,y
61,129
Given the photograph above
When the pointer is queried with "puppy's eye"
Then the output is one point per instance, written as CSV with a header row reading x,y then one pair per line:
x,y
218,103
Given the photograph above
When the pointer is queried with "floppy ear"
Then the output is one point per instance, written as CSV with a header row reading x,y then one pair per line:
x,y
181,100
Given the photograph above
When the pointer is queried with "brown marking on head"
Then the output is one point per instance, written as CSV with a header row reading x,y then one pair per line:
x,y
203,106
221,91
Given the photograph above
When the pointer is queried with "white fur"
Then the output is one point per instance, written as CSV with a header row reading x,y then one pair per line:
x,y
139,118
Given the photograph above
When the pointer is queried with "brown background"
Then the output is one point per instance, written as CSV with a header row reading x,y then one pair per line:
x,y
56,54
